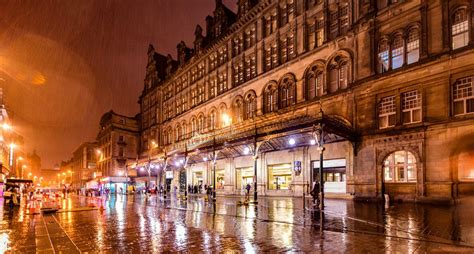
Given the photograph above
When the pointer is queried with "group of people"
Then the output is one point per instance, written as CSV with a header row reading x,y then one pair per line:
x,y
196,189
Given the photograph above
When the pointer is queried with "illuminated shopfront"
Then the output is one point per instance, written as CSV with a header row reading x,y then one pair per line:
x,y
243,177
219,179
334,175
197,178
279,177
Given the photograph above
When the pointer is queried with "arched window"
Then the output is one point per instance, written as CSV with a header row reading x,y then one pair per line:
x,y
201,123
170,136
287,92
339,73
194,128
225,119
178,132
383,56
400,166
270,98
238,109
398,51
250,106
459,28
165,137
184,133
314,82
213,120
413,45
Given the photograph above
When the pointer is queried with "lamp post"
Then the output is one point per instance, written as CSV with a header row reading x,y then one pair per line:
x,y
214,168
318,134
23,168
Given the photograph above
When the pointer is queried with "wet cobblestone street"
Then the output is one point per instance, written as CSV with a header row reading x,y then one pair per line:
x,y
136,224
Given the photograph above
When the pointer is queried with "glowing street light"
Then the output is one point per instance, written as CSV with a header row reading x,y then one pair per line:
x,y
292,141
226,119
246,150
12,146
312,142
6,126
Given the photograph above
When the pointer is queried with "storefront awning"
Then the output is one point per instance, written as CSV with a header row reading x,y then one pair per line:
x,y
234,142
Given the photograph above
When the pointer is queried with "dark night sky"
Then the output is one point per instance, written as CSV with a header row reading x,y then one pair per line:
x,y
65,63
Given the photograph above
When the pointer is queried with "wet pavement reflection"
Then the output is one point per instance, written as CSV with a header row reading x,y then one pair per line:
x,y
137,223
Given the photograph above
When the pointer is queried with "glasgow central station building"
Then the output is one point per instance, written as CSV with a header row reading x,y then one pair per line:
x,y
389,82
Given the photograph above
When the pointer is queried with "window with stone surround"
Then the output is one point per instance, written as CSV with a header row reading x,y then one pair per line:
x,y
194,126
271,56
250,67
287,11
250,37
200,93
311,34
411,107
413,45
179,133
400,167
212,87
463,96
270,98
320,30
213,61
339,69
222,55
193,96
383,56
287,91
460,28
237,45
238,72
201,70
270,23
387,112
343,18
238,110
398,51
250,106
314,82
201,123
287,48
221,83
213,120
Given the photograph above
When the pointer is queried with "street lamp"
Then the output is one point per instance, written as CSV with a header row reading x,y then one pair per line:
x,y
23,167
318,135
6,126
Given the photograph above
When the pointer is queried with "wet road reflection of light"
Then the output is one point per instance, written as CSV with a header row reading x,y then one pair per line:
x,y
133,225
4,242
180,235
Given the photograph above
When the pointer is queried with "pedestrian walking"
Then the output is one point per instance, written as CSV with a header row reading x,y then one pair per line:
x,y
209,192
247,192
315,194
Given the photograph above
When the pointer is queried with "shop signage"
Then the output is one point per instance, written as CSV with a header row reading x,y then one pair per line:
x,y
297,167
169,174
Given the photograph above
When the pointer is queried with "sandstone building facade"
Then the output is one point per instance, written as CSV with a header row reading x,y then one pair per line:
x,y
391,82
116,144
